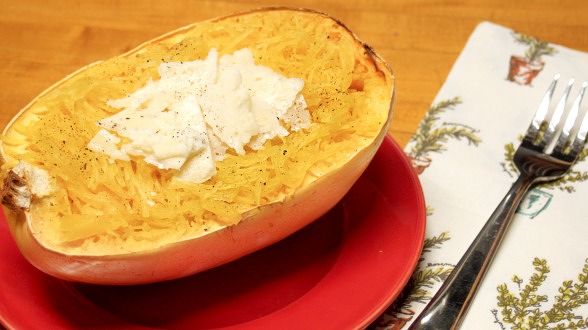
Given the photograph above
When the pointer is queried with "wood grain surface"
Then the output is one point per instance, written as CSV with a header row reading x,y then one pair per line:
x,y
42,41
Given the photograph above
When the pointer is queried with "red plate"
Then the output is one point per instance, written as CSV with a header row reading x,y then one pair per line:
x,y
340,272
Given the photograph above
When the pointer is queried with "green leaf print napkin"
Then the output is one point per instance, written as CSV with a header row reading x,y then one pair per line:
x,y
463,152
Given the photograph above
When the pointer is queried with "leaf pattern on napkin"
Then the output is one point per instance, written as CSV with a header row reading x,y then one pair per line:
x,y
431,136
524,306
523,69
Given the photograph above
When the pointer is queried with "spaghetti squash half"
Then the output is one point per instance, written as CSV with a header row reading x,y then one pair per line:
x,y
128,222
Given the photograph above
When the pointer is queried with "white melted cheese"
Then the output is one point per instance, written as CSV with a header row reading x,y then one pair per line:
x,y
198,110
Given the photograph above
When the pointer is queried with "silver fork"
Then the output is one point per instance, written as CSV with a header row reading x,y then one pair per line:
x,y
546,153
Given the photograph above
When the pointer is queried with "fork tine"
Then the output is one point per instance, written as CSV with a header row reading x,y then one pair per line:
x,y
552,132
541,114
571,122
578,144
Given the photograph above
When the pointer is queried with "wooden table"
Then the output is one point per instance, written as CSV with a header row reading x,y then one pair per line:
x,y
42,41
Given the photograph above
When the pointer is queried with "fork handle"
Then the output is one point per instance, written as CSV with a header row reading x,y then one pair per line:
x,y
448,307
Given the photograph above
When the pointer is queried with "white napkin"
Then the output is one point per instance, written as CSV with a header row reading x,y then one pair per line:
x,y
485,105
